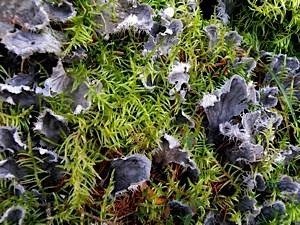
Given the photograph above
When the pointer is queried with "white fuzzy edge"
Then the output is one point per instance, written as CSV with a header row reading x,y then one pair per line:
x,y
5,215
38,126
173,142
9,175
43,151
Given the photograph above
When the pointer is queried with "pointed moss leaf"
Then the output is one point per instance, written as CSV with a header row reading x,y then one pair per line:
x,y
287,185
212,33
129,171
232,38
26,13
26,44
52,126
14,214
59,12
10,140
227,102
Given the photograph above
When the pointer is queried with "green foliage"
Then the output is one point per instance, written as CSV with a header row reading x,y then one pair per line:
x,y
276,24
126,118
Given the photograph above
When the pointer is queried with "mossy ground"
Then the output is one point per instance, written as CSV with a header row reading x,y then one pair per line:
x,y
126,118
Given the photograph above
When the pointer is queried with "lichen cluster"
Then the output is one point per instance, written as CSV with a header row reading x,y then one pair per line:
x,y
149,112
